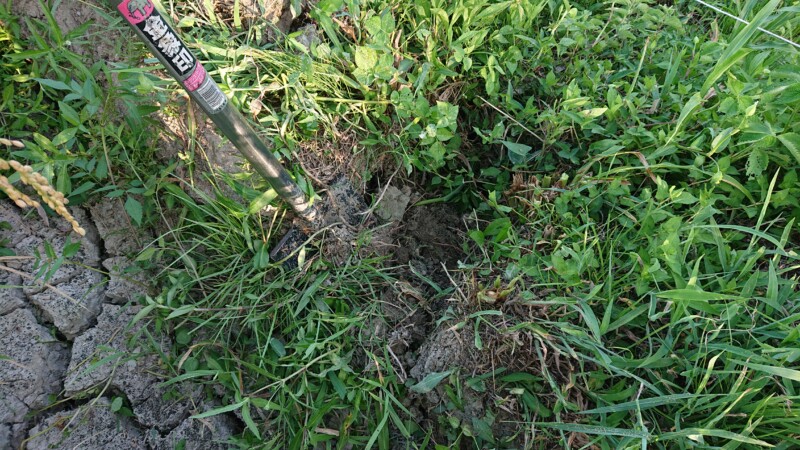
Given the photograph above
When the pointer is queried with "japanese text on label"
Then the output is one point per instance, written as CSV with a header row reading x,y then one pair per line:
x,y
167,43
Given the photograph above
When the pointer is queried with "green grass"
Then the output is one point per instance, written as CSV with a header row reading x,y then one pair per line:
x,y
631,171
286,344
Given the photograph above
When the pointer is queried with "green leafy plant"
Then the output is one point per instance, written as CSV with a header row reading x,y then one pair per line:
x,y
627,172
66,118
630,176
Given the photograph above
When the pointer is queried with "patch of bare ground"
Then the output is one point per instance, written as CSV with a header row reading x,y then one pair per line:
x,y
93,43
430,322
268,19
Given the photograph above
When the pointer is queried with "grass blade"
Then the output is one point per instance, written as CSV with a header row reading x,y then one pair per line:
x,y
736,50
782,372
687,111
189,375
220,410
640,404
696,433
595,429
696,296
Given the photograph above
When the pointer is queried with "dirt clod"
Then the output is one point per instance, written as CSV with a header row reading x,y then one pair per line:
x,y
125,284
108,341
11,296
211,433
393,204
120,236
71,296
443,350
36,362
91,426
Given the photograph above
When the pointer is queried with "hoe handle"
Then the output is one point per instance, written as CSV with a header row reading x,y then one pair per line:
x,y
165,44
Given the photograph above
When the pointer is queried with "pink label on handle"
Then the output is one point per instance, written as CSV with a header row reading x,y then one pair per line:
x,y
136,11
196,78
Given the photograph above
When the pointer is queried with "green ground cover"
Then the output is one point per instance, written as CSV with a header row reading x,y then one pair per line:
x,y
630,174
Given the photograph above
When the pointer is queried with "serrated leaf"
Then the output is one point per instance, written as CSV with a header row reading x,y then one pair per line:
x,y
685,198
437,152
755,132
430,381
756,163
789,95
792,143
134,209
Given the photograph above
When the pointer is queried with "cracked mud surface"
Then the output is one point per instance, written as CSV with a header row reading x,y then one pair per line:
x,y
69,340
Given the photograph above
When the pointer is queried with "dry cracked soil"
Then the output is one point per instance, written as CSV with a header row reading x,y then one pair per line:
x,y
68,349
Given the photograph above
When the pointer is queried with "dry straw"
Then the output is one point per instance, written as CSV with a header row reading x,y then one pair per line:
x,y
50,196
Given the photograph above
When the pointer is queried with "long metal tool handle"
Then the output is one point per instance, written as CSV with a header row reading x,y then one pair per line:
x,y
165,44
